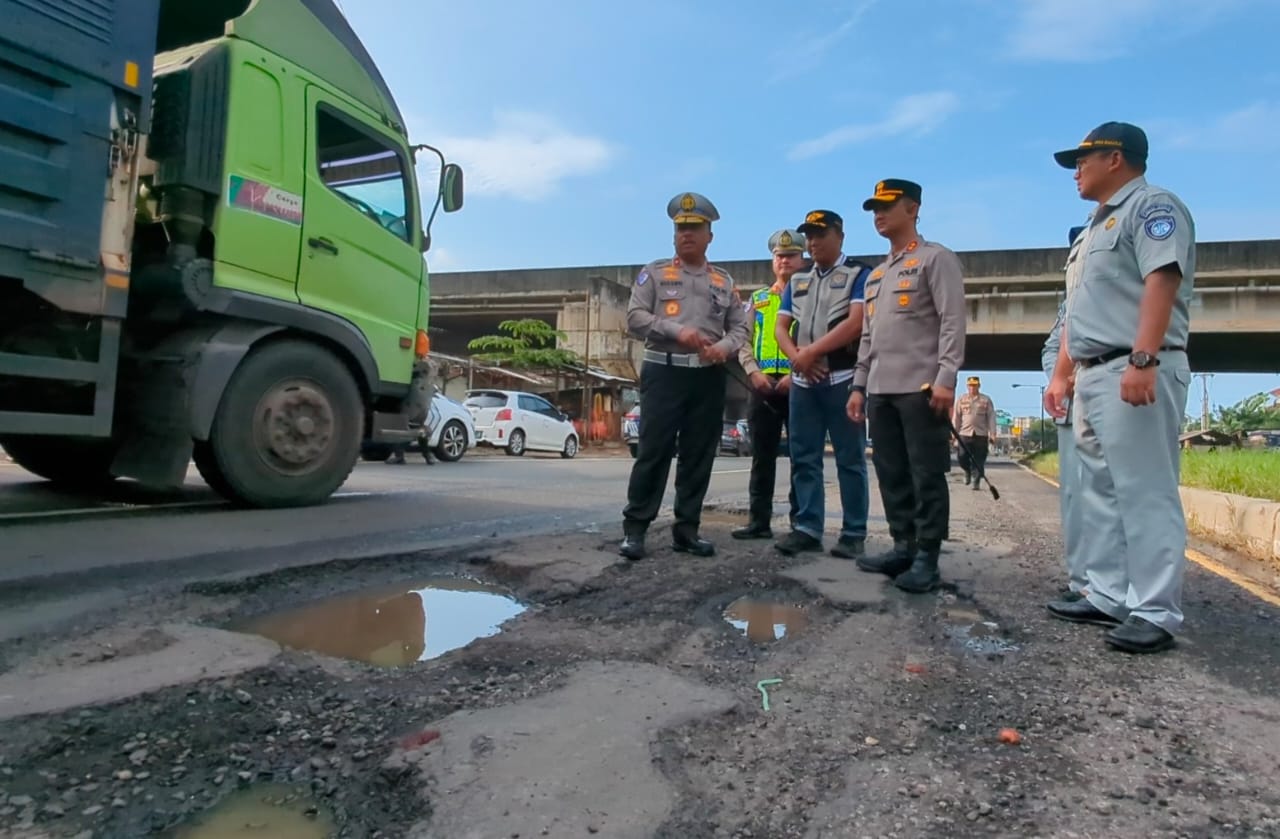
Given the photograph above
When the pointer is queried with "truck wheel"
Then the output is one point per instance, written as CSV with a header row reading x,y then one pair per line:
x,y
288,428
209,470
77,464
453,442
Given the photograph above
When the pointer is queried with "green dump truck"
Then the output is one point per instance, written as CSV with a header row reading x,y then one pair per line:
x,y
211,246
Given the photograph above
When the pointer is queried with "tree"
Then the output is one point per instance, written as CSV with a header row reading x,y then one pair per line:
x,y
1253,413
529,343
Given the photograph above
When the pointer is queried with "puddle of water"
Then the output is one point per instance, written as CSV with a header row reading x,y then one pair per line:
x,y
267,812
977,635
392,627
762,621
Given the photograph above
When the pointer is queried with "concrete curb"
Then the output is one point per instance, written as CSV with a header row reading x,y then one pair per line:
x,y
1249,525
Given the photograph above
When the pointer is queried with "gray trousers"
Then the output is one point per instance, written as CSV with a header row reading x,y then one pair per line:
x,y
1132,532
1069,507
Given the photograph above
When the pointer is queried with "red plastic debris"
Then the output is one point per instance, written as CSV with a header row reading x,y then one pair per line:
x,y
418,739
915,668
1010,736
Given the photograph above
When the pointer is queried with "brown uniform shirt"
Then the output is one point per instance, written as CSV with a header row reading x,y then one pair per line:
x,y
913,322
975,416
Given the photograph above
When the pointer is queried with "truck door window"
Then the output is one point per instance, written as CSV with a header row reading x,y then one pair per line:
x,y
366,171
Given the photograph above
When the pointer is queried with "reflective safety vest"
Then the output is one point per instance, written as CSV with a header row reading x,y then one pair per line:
x,y
764,307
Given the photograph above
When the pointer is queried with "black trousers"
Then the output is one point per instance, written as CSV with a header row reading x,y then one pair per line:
x,y
679,407
768,415
911,453
975,462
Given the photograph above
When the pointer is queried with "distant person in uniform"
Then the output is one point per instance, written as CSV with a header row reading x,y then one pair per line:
x,y
819,325
1068,462
692,321
975,422
769,373
1125,337
911,353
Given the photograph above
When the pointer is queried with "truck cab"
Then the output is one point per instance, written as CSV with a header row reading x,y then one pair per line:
x,y
251,293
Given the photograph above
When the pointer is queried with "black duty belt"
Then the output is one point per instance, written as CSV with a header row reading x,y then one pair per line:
x,y
1114,354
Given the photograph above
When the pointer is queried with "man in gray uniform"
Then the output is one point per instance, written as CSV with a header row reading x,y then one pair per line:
x,y
1068,463
819,325
905,382
692,321
975,422
1130,390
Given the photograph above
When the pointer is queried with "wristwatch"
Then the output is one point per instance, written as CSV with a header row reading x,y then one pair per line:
x,y
1143,360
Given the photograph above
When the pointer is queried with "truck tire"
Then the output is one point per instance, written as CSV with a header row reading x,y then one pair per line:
x,y
69,463
209,470
288,428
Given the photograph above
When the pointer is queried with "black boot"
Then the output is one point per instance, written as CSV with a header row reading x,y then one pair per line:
x,y
967,477
923,574
754,530
892,562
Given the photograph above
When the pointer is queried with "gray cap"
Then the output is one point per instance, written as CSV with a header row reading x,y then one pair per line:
x,y
787,240
692,208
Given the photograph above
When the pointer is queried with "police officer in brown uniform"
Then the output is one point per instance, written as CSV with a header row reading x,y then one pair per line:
x,y
692,321
975,422
911,352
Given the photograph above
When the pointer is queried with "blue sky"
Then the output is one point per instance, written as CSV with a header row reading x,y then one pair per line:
x,y
578,120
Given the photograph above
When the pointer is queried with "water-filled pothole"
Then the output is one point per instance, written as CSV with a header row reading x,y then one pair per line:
x,y
260,812
763,621
393,626
977,635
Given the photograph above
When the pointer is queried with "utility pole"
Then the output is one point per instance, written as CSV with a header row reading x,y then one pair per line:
x,y
1204,402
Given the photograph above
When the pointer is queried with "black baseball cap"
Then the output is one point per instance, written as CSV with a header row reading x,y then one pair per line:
x,y
821,220
1110,136
890,190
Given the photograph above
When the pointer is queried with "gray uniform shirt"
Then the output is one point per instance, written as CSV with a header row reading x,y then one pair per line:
x,y
1049,355
669,296
1142,228
914,322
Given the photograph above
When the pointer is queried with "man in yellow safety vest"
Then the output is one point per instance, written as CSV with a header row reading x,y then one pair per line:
x,y
769,371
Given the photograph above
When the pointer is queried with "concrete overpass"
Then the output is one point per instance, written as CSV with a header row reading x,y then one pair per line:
x,y
1013,297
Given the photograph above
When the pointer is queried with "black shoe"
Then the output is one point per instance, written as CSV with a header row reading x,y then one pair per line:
x,y
754,530
1081,611
695,546
967,478
797,542
1069,596
922,576
632,548
1139,636
977,483
893,562
850,548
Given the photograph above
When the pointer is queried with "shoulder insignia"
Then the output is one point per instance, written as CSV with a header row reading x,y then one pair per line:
x,y
643,277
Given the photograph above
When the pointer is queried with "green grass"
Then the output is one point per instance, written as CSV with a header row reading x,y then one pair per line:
x,y
1255,473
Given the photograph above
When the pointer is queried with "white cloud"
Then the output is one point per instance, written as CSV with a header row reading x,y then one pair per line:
x,y
1095,30
806,51
526,156
917,114
1253,128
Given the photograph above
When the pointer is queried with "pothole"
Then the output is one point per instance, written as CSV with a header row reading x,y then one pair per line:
x,y
392,626
764,621
977,635
259,812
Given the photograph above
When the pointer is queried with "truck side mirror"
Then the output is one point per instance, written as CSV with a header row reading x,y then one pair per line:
x,y
451,187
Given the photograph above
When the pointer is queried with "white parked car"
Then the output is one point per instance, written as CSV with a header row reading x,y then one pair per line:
x,y
520,422
453,430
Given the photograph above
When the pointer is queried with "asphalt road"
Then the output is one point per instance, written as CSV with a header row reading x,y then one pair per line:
x,y
54,540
